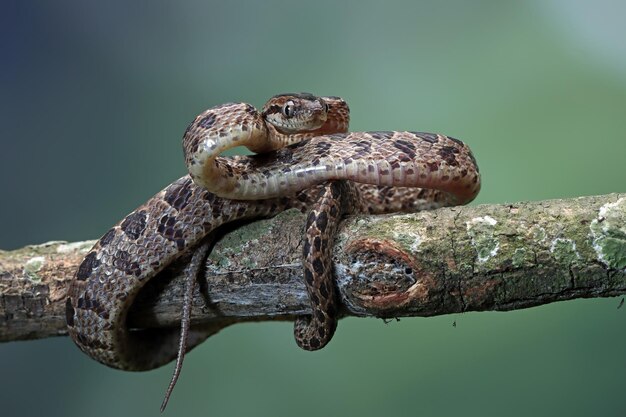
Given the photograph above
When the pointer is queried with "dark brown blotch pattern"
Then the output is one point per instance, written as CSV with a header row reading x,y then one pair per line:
x,y
448,154
427,137
405,146
177,195
87,266
126,263
107,238
458,142
88,303
69,312
382,134
134,224
171,229
207,121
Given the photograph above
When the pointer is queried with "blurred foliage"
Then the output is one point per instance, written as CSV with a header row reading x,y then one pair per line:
x,y
96,95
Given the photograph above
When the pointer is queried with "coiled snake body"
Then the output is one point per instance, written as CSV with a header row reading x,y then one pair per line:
x,y
306,156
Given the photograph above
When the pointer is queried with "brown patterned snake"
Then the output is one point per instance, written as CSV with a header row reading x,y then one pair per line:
x,y
387,172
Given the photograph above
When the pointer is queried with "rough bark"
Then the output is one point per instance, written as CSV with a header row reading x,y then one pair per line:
x,y
479,258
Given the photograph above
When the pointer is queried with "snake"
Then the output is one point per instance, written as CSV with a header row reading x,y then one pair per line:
x,y
305,159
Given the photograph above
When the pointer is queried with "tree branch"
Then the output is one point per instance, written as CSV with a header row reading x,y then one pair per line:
x,y
480,258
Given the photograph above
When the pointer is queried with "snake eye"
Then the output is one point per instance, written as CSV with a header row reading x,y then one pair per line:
x,y
326,108
289,109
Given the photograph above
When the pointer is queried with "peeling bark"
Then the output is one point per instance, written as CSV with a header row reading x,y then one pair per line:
x,y
479,258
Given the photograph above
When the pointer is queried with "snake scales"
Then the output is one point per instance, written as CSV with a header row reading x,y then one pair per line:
x,y
306,152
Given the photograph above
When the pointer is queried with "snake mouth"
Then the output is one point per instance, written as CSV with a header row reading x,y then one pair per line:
x,y
308,121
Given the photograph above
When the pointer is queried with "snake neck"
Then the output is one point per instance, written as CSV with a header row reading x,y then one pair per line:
x,y
215,131
219,175
224,127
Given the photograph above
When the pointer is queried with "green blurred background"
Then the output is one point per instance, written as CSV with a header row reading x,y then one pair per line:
x,y
95,97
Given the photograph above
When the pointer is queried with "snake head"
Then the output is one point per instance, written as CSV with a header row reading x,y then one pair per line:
x,y
295,112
